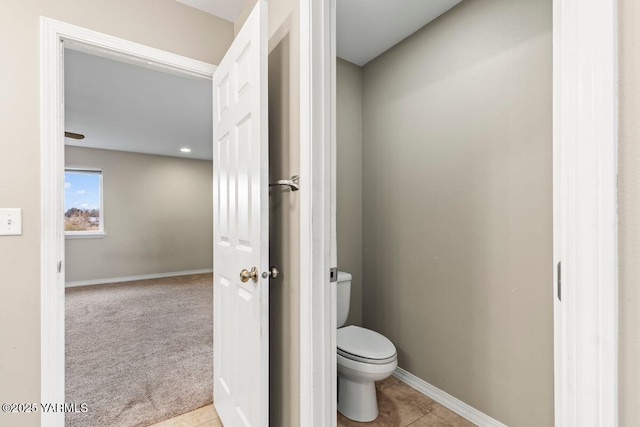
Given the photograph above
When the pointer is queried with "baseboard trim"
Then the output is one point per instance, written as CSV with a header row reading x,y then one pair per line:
x,y
459,407
133,278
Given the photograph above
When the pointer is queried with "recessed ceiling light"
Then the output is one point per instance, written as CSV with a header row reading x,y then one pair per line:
x,y
185,150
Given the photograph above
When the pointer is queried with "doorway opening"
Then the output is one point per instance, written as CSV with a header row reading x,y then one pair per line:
x,y
54,36
585,301
138,243
59,38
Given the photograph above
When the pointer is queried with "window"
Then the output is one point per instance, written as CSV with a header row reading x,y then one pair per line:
x,y
83,216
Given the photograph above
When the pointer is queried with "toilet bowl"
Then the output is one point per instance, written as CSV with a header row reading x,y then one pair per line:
x,y
364,357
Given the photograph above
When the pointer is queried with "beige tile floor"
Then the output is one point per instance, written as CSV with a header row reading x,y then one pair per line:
x,y
399,405
201,417
402,406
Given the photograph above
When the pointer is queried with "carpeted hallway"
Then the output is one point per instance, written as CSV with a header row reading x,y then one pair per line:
x,y
139,352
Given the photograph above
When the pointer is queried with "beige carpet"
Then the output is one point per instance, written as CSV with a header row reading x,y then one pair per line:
x,y
139,352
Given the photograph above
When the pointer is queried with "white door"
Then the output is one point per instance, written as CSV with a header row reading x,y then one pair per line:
x,y
241,228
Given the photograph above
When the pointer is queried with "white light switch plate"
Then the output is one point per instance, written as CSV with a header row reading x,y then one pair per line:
x,y
10,222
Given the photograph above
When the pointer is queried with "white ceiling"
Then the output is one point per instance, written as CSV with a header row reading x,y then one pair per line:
x,y
225,9
120,106
367,28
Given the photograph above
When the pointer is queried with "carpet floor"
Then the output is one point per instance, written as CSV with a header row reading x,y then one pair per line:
x,y
139,352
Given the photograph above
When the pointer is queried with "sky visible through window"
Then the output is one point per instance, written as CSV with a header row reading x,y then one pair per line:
x,y
81,190
82,201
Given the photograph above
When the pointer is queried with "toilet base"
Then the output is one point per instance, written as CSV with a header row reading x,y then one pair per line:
x,y
357,400
357,386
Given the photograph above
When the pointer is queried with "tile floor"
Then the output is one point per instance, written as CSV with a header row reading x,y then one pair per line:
x,y
402,406
399,405
201,417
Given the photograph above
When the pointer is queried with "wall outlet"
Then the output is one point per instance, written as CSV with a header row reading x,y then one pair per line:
x,y
10,222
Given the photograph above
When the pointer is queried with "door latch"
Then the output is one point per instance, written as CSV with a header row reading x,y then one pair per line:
x,y
559,273
272,273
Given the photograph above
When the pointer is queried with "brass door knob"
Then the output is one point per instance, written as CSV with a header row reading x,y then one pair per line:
x,y
245,275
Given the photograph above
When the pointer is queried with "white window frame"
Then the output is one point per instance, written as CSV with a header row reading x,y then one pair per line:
x,y
89,234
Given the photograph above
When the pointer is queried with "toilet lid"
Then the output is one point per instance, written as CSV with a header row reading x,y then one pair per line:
x,y
364,343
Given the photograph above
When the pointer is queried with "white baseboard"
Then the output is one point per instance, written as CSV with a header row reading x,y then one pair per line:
x,y
459,407
133,278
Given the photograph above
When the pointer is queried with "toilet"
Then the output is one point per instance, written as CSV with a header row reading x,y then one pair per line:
x,y
364,356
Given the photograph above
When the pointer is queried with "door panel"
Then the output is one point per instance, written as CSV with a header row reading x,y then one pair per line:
x,y
241,233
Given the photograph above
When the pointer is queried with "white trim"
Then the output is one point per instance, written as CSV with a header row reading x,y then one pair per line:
x,y
136,278
318,372
52,226
95,43
82,169
52,34
468,412
73,235
331,40
585,219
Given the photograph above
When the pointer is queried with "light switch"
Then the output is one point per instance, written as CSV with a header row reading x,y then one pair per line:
x,y
10,222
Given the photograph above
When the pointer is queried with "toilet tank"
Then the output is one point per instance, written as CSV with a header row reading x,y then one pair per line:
x,y
343,297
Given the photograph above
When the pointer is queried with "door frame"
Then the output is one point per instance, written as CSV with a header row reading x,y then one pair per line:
x,y
318,374
52,266
585,145
318,356
585,231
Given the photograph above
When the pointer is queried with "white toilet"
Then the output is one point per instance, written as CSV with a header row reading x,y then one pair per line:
x,y
364,356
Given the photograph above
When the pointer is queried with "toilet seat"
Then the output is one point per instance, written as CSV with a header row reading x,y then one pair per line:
x,y
365,345
356,358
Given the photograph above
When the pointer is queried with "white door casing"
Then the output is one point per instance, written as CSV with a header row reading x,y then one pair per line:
x,y
52,261
241,227
318,365
585,216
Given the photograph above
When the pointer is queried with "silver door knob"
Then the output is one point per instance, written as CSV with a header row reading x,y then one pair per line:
x,y
272,273
245,275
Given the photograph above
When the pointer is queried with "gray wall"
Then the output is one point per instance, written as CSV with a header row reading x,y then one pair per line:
x,y
157,212
349,174
629,212
193,33
458,205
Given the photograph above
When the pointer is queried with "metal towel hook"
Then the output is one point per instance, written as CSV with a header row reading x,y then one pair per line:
x,y
291,183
